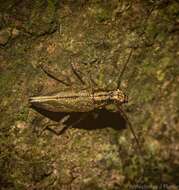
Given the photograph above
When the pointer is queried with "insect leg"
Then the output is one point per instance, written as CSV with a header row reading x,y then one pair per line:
x,y
122,71
77,75
92,82
124,68
58,133
74,123
49,74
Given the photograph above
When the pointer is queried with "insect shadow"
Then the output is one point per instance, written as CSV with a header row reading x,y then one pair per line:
x,y
96,119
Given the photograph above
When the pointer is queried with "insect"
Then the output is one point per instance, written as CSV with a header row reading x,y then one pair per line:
x,y
83,101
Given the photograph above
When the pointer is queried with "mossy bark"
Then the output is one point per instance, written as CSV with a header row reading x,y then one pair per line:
x,y
97,38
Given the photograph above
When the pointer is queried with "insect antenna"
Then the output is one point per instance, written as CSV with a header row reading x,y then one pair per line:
x,y
120,110
123,69
131,129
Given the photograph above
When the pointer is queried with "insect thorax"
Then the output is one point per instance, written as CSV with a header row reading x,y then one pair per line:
x,y
116,96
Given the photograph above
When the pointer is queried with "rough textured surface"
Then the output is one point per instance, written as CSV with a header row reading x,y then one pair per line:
x,y
97,37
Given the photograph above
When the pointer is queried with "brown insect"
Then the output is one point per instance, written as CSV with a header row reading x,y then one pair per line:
x,y
83,101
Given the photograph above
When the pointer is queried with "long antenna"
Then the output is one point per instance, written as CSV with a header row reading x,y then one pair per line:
x,y
131,129
122,112
124,68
